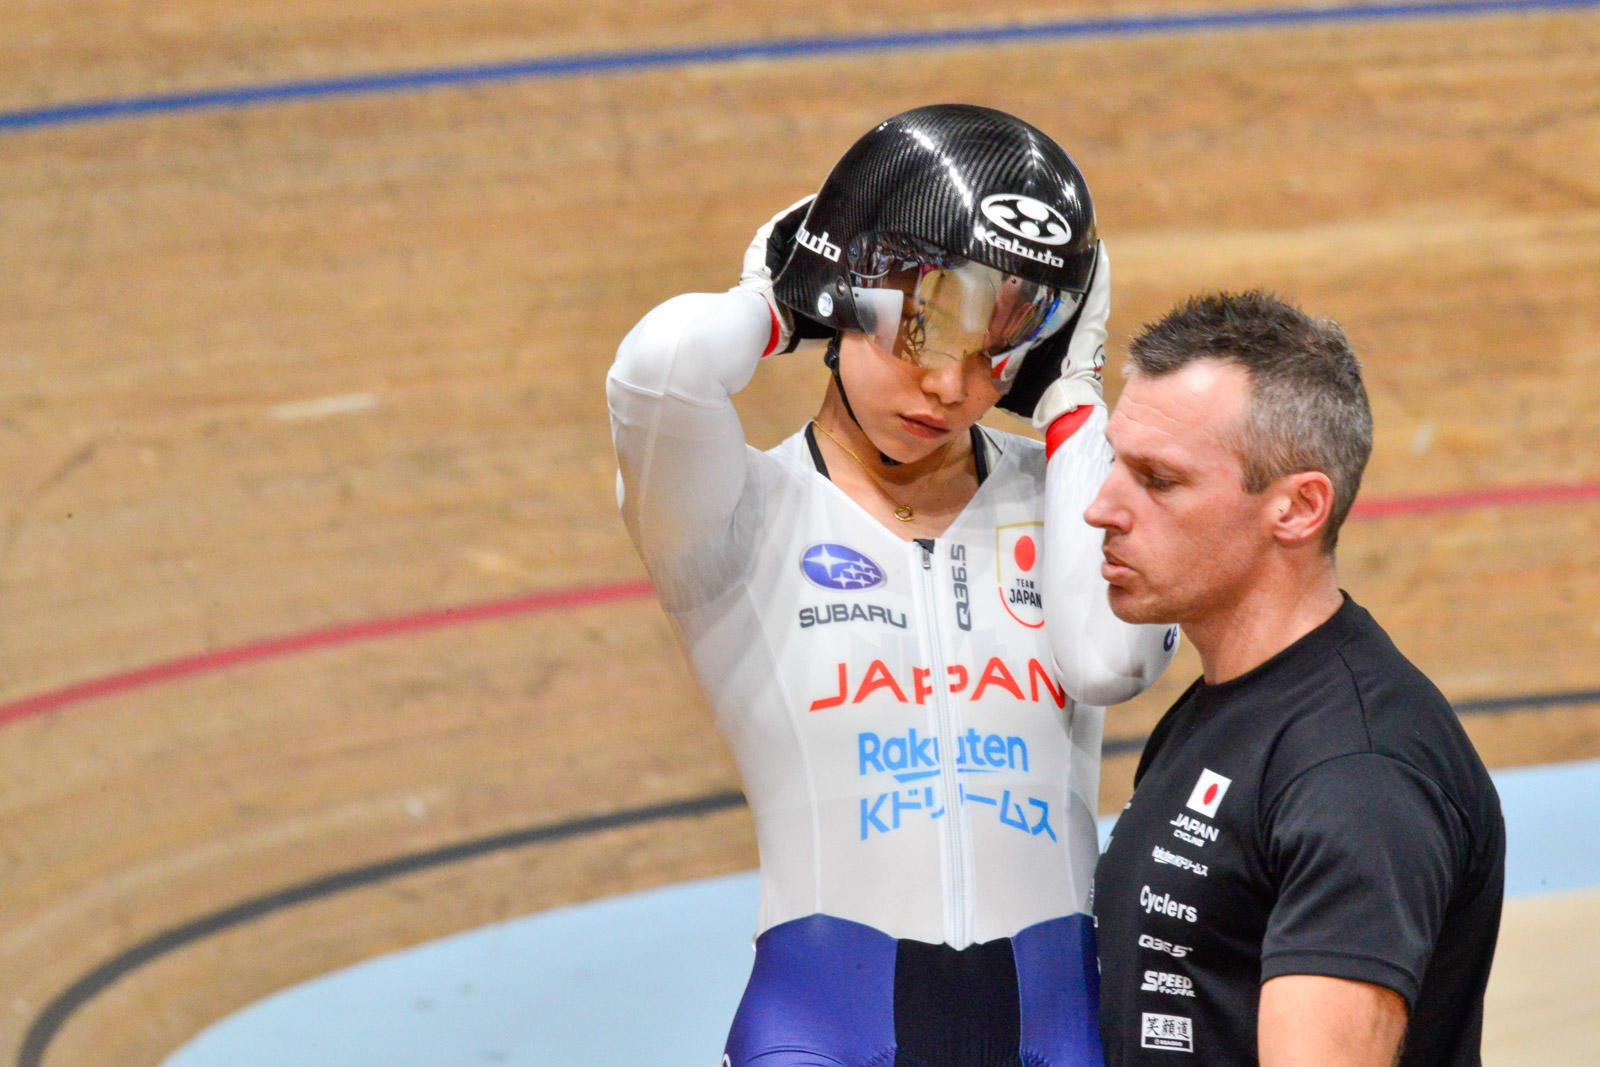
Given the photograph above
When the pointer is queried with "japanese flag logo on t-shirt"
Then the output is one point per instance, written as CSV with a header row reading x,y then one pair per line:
x,y
1208,793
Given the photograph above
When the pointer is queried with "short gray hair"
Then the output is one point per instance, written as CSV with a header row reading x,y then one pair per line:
x,y
1308,408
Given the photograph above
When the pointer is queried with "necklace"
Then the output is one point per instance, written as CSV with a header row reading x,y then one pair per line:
x,y
903,512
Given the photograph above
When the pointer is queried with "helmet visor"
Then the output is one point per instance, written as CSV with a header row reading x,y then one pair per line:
x,y
926,306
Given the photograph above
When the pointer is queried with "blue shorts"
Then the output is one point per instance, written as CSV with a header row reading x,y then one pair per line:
x,y
826,992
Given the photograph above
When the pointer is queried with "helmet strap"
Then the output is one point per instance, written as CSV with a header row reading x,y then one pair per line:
x,y
831,359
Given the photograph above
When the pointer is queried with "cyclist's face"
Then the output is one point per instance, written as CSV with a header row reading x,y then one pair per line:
x,y
910,410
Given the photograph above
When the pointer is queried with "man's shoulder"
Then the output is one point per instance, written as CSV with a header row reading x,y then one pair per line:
x,y
1353,673
1395,699
1374,700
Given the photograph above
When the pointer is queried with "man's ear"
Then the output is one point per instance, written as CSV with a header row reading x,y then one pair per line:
x,y
1302,505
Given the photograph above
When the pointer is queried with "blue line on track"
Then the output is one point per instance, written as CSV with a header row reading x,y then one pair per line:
x,y
593,63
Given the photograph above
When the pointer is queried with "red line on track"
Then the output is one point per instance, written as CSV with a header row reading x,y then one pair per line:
x,y
564,599
315,640
1508,497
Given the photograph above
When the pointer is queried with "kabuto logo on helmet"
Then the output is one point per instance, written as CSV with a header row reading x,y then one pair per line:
x,y
820,245
1023,217
1017,248
1030,219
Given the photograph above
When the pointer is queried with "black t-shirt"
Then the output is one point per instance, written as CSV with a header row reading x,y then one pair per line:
x,y
1323,814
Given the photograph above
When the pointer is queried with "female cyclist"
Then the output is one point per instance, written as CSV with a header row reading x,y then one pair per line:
x,y
896,614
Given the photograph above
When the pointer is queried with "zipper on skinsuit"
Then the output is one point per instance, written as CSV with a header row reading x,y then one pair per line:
x,y
955,905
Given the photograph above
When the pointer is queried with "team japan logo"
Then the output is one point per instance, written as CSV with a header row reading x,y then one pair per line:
x,y
1023,216
1017,566
839,567
1208,793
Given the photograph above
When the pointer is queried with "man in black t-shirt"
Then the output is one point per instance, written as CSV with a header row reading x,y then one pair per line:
x,y
1312,864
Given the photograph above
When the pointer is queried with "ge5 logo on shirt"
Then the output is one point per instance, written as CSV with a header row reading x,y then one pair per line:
x,y
1017,567
1177,952
1208,793
839,567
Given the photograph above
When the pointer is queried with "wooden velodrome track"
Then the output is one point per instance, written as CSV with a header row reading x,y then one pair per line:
x,y
319,635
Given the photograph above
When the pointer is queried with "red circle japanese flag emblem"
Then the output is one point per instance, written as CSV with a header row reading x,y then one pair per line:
x,y
1019,551
1208,792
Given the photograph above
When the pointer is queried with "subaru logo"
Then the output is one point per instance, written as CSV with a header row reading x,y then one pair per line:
x,y
838,567
1027,218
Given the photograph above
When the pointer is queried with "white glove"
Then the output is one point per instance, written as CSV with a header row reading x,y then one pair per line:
x,y
1080,381
759,267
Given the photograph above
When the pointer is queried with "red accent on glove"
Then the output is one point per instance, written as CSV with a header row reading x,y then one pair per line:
x,y
776,335
1064,427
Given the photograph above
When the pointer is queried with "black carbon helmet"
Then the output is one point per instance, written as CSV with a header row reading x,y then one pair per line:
x,y
968,180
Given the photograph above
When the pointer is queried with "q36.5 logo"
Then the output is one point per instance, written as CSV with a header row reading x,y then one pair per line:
x,y
839,567
1027,218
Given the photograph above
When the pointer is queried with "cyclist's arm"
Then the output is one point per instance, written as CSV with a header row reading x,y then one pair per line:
x,y
1101,659
681,453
